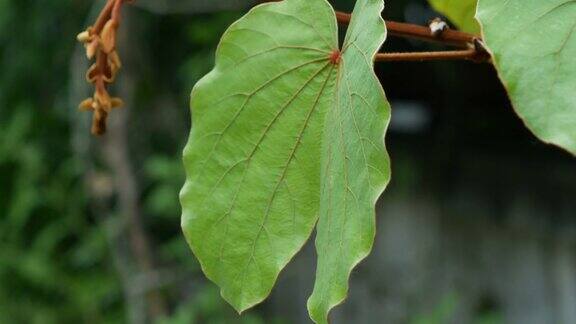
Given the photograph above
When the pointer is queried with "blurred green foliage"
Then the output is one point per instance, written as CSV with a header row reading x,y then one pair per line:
x,y
53,261
445,312
56,264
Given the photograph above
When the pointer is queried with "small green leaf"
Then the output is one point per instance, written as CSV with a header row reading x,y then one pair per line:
x,y
460,12
534,50
253,159
355,165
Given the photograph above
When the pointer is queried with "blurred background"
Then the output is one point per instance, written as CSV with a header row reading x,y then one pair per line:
x,y
477,226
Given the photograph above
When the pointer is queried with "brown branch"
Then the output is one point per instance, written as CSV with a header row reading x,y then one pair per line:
x,y
448,36
103,16
473,48
399,29
100,42
469,54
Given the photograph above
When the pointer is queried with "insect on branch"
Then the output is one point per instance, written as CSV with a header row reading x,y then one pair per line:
x,y
472,47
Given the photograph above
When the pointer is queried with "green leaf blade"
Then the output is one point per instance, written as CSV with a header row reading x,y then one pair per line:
x,y
460,12
355,165
252,192
533,44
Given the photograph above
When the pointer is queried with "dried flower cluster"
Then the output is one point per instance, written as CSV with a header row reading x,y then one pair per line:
x,y
100,43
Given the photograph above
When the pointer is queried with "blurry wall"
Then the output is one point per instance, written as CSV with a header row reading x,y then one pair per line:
x,y
469,255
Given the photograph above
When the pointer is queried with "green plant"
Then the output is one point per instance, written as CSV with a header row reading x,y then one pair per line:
x,y
289,126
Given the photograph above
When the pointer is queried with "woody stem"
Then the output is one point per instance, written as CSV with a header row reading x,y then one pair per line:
x,y
104,16
469,54
448,36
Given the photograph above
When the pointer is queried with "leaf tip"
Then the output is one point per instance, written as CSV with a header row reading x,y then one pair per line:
x,y
317,313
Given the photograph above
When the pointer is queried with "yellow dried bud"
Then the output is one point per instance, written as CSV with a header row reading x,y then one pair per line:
x,y
114,61
92,48
103,99
92,73
112,66
117,103
83,37
86,105
108,36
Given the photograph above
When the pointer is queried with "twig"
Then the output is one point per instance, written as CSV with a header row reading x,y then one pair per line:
x,y
100,42
469,54
448,36
472,45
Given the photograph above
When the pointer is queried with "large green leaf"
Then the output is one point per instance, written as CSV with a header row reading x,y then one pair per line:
x,y
533,43
261,160
355,165
460,12
252,192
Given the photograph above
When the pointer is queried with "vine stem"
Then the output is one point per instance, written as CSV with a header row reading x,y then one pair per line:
x,y
448,36
469,54
472,46
104,16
